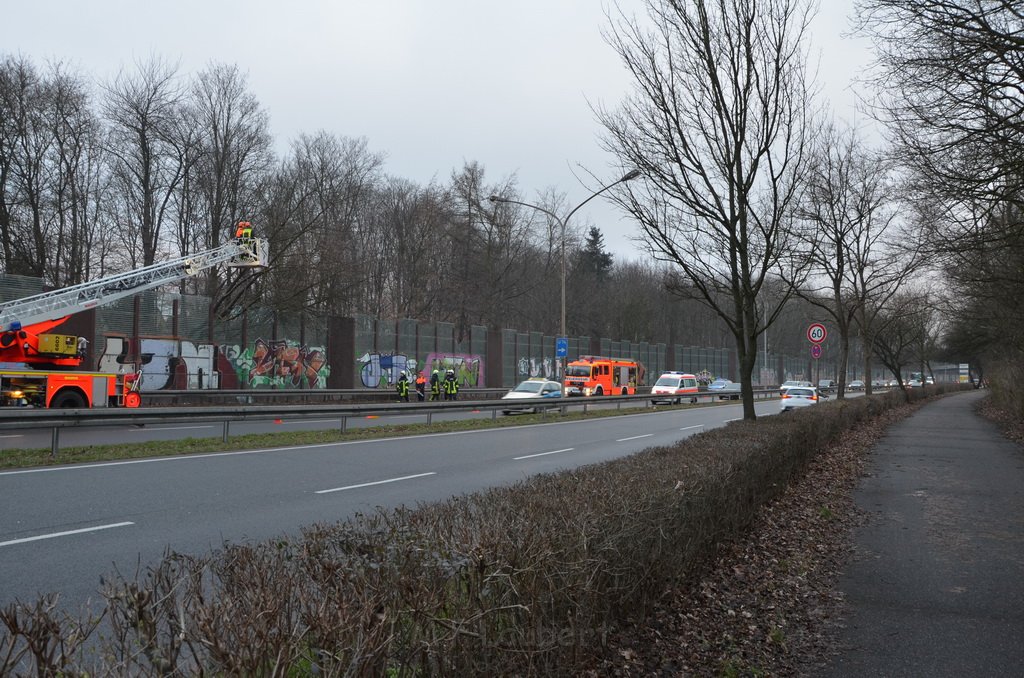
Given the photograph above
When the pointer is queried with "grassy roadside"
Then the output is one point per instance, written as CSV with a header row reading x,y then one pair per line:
x,y
29,458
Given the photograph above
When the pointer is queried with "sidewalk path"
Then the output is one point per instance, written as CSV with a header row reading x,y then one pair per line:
x,y
936,587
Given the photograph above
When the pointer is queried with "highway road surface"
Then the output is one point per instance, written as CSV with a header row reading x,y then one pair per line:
x,y
64,527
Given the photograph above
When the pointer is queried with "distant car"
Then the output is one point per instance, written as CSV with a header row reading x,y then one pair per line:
x,y
675,384
532,389
826,385
798,396
725,389
930,381
789,384
914,383
856,385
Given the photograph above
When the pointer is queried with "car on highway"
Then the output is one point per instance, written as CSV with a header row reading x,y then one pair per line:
x,y
826,385
856,385
725,389
793,382
675,384
532,389
799,396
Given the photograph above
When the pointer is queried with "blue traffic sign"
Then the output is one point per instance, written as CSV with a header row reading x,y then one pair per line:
x,y
561,347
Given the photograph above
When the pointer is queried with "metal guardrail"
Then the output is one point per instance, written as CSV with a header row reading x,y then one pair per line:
x,y
311,395
58,420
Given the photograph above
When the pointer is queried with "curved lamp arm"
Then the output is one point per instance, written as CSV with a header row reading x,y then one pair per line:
x,y
629,176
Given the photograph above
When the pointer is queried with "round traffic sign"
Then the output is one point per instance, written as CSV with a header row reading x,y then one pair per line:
x,y
816,333
815,351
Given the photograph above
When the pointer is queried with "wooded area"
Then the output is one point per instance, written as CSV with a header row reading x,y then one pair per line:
x,y
156,163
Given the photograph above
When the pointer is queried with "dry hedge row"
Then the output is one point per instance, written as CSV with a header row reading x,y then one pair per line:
x,y
520,580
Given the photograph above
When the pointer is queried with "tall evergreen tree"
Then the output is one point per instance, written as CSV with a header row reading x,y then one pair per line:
x,y
594,259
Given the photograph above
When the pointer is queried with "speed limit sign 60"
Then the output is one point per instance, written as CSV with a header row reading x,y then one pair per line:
x,y
816,333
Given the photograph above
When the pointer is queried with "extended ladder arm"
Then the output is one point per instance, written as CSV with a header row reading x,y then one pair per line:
x,y
245,252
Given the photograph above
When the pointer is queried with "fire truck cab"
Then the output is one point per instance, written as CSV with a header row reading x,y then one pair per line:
x,y
598,375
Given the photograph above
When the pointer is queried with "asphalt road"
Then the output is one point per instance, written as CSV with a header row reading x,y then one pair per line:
x,y
64,527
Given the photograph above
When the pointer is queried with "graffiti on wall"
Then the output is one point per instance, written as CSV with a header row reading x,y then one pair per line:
x,y
469,367
163,363
381,370
280,363
537,367
172,364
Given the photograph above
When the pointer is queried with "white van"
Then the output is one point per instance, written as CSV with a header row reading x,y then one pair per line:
x,y
675,384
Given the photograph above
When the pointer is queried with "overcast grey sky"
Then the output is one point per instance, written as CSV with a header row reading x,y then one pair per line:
x,y
430,83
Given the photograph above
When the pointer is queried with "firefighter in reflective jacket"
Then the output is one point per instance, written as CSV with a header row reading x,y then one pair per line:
x,y
421,387
451,386
403,387
435,386
244,230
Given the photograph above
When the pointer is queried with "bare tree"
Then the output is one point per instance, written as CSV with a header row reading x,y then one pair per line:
x,y
415,218
718,125
549,238
316,211
487,266
233,160
142,110
26,146
902,332
79,176
859,257
8,143
950,82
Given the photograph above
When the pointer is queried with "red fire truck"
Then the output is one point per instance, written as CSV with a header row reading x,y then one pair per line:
x,y
596,375
44,368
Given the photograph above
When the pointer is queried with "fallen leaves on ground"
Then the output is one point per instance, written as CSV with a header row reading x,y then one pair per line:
x,y
768,605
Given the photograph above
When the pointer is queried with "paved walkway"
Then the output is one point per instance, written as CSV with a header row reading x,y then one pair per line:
x,y
937,585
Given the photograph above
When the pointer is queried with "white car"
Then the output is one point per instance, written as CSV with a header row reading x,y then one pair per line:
x,y
799,396
532,389
789,384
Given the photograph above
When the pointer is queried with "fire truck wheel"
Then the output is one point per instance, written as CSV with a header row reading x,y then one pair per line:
x,y
67,400
132,399
599,391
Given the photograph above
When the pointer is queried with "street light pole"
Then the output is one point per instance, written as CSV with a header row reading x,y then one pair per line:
x,y
629,176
